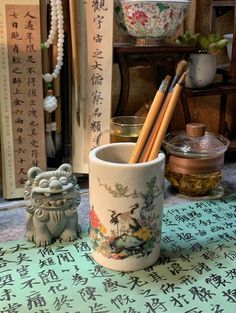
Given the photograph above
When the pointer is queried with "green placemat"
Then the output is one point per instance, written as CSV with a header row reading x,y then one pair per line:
x,y
196,271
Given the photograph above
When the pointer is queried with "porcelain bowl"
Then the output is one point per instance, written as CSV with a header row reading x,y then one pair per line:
x,y
150,19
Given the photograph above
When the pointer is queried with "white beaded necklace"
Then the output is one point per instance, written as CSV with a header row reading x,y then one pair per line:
x,y
57,22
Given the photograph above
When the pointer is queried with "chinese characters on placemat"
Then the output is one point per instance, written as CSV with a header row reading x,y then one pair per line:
x,y
22,110
195,274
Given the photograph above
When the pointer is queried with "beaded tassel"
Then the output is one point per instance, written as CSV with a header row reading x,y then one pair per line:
x,y
50,101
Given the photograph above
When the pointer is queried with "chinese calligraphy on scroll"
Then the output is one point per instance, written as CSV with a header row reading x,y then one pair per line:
x,y
96,45
22,130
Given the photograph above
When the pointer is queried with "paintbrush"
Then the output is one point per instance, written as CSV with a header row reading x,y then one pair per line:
x,y
167,117
180,69
148,124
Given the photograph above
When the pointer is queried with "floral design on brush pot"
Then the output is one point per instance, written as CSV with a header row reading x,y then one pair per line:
x,y
151,19
133,232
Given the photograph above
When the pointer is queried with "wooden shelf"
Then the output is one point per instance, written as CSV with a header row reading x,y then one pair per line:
x,y
227,85
223,3
232,145
212,90
218,8
128,48
130,56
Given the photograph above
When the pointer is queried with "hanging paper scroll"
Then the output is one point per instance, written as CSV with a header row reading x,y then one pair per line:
x,y
22,117
92,113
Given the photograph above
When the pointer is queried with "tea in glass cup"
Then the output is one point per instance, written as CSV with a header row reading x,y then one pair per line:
x,y
123,129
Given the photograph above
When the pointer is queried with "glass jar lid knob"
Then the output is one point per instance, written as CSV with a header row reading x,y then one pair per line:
x,y
195,129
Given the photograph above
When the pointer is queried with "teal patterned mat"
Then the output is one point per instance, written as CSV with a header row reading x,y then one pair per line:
x,y
195,274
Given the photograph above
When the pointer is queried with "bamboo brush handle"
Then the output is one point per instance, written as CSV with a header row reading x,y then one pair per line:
x,y
148,124
156,127
165,122
181,67
159,98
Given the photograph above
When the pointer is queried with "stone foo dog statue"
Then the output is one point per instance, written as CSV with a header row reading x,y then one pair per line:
x,y
51,199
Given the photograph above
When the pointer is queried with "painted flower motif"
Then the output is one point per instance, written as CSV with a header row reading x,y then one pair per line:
x,y
171,14
102,229
143,234
166,26
95,223
139,17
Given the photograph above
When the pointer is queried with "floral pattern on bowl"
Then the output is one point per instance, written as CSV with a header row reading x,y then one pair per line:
x,y
150,19
120,16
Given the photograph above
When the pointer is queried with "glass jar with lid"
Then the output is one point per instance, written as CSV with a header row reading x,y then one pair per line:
x,y
195,159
